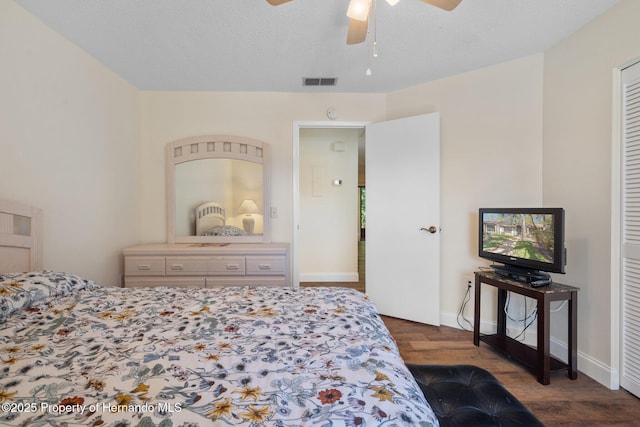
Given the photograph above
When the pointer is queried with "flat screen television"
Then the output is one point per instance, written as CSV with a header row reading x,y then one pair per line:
x,y
526,239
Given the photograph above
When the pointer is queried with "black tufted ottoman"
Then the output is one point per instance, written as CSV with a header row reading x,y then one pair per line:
x,y
468,396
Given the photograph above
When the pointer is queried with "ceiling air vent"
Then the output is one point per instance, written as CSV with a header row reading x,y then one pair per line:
x,y
319,81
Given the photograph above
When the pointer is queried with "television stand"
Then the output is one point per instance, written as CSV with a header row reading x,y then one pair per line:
x,y
537,359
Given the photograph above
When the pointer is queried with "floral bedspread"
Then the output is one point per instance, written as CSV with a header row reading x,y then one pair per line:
x,y
103,356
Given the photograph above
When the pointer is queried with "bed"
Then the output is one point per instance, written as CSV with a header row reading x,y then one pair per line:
x,y
210,221
77,353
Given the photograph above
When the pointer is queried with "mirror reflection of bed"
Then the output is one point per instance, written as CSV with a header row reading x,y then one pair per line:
x,y
219,197
211,221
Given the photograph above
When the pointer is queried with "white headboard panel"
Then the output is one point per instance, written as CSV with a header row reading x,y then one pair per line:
x,y
20,237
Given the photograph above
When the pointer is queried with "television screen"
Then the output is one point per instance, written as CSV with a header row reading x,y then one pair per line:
x,y
528,238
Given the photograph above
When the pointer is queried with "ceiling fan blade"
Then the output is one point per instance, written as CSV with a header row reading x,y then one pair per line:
x,y
357,31
277,2
447,5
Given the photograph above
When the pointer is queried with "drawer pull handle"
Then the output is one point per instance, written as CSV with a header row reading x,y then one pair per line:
x,y
233,266
177,266
145,267
264,266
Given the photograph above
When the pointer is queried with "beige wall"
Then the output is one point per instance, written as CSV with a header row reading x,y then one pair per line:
x,y
491,156
167,116
68,144
578,93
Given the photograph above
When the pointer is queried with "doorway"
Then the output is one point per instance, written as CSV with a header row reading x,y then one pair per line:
x,y
329,207
400,154
319,186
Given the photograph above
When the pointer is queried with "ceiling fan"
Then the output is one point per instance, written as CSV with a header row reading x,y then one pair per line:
x,y
358,13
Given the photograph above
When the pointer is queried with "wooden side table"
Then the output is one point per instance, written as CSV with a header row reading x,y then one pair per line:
x,y
537,359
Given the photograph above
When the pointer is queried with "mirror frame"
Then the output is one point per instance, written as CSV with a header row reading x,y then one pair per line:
x,y
217,147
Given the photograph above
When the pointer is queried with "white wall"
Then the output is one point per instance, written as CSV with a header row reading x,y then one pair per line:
x,y
329,222
69,145
491,156
578,114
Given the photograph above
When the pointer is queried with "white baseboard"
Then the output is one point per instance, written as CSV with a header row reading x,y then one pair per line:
x,y
587,365
329,277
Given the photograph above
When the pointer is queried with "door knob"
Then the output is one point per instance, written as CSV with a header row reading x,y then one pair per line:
x,y
431,229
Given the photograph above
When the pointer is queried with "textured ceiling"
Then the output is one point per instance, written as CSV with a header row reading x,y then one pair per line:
x,y
248,45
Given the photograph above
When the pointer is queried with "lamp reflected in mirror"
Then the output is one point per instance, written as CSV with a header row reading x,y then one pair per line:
x,y
248,208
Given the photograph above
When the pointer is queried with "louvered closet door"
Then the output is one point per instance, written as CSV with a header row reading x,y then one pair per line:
x,y
630,352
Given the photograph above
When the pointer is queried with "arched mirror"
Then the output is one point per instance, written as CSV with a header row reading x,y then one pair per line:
x,y
217,190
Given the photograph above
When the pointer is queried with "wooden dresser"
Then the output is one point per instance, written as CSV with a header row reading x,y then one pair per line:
x,y
207,265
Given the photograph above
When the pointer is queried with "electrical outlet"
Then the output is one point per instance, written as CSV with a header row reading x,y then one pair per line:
x,y
469,281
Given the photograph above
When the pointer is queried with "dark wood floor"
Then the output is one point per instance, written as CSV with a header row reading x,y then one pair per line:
x,y
564,402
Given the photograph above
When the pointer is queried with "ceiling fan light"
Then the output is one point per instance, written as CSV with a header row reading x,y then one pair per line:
x,y
392,2
359,9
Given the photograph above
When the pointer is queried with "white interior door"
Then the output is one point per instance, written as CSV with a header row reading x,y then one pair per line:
x,y
403,202
630,250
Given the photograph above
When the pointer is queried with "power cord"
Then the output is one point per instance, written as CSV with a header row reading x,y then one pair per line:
x,y
527,320
526,326
465,300
560,307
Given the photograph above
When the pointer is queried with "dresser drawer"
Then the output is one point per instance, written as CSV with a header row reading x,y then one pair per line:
x,y
225,281
152,282
204,265
232,265
265,265
186,266
144,266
